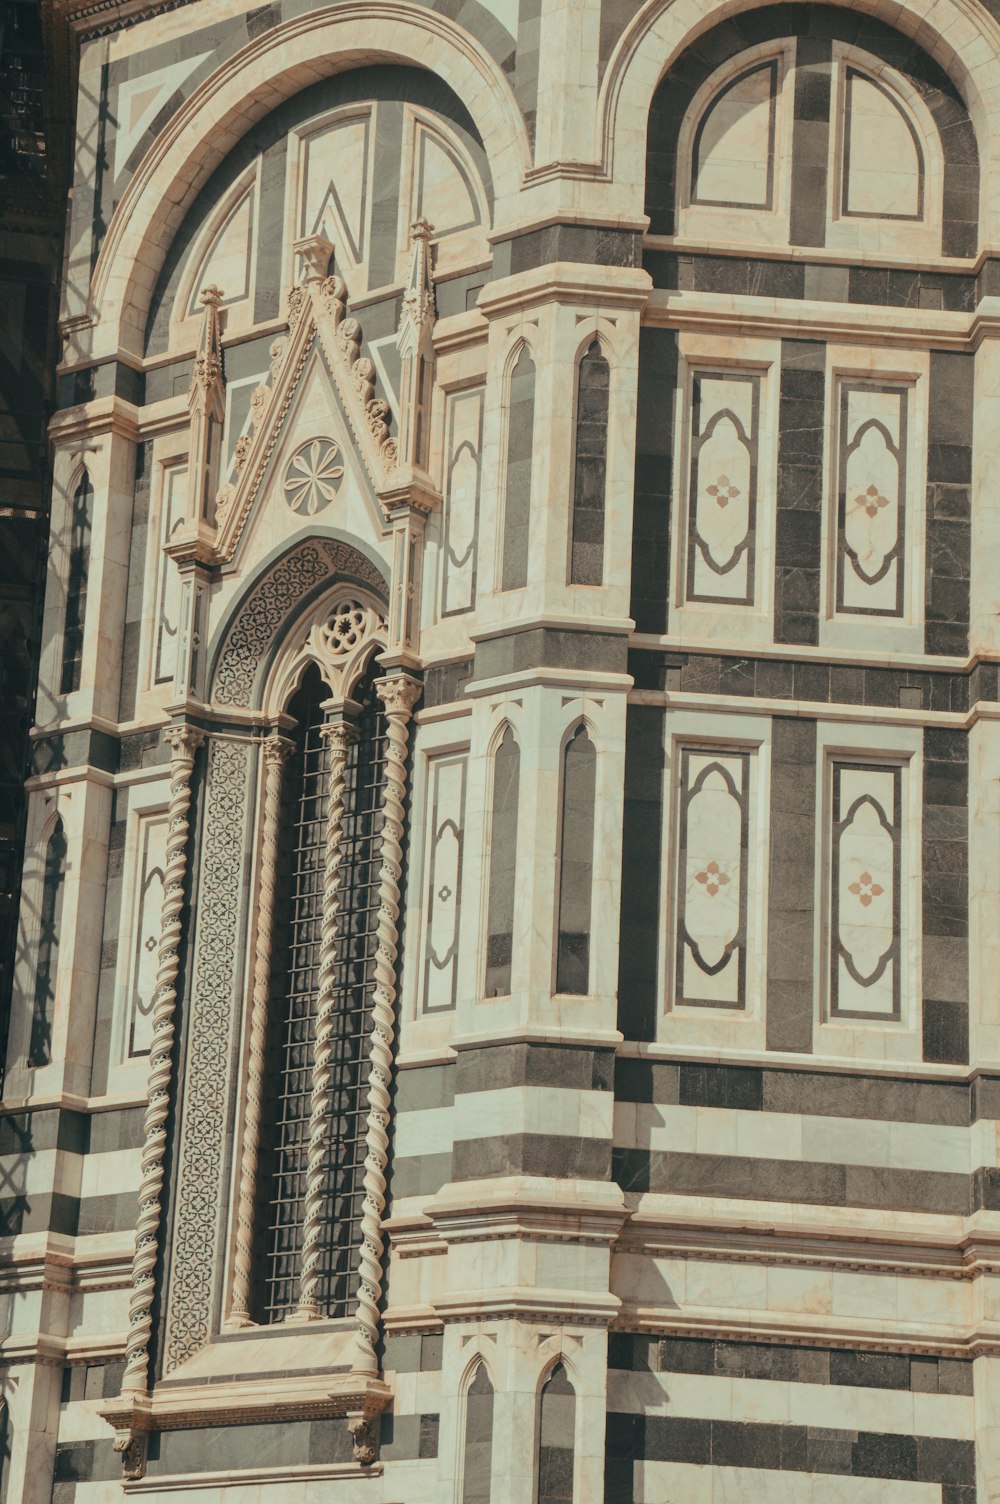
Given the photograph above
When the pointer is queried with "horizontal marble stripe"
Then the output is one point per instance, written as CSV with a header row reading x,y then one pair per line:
x,y
814,1140
797,1365
791,1181
792,1448
817,1093
564,1158
899,1413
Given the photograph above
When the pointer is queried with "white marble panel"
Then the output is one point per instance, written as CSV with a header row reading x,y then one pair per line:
x,y
864,886
335,174
883,166
734,142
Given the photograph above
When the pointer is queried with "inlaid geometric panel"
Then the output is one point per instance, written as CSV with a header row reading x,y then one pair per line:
x,y
334,192
464,430
882,173
444,881
711,880
722,489
151,857
732,159
865,861
871,528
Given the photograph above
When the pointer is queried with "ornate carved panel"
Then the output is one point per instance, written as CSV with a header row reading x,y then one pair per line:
x,y
871,530
212,1017
865,890
722,495
711,884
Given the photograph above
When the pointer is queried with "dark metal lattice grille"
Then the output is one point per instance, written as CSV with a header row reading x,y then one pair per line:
x,y
295,980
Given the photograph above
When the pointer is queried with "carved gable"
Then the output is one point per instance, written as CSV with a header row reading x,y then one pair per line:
x,y
319,432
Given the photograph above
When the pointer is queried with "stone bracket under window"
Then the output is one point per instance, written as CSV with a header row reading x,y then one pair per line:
x,y
179,1407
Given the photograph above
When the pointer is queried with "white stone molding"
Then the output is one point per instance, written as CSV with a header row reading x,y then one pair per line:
x,y
340,735
184,742
398,694
276,751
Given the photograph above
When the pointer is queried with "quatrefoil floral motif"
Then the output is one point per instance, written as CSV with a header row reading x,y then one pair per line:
x,y
865,889
712,878
871,501
724,491
313,476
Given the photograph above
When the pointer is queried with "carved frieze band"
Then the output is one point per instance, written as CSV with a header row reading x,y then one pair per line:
x,y
213,1012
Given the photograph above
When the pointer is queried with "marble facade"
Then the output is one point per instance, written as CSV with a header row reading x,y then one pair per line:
x,y
563,433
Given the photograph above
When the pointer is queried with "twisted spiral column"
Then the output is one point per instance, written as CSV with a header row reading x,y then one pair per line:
x,y
184,742
398,694
340,736
276,752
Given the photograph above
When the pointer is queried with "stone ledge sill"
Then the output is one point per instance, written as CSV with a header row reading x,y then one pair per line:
x,y
197,1405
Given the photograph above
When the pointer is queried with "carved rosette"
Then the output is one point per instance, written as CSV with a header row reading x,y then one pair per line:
x,y
340,737
276,753
398,694
184,742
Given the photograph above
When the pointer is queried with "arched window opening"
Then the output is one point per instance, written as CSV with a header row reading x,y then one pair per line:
x,y
477,1455
503,866
285,1118
576,864
590,472
556,1432
81,522
517,486
50,926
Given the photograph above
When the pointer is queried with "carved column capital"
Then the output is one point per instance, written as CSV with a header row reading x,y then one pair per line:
x,y
399,694
277,751
183,741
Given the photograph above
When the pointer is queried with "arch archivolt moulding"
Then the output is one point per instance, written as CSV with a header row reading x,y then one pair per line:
x,y
960,35
257,628
247,86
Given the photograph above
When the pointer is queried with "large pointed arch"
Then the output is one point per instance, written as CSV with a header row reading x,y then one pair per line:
x,y
219,112
952,32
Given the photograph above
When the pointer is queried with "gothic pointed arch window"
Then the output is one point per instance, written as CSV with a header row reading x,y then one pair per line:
x,y
78,569
556,1439
305,1242
477,1442
308,1163
49,930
